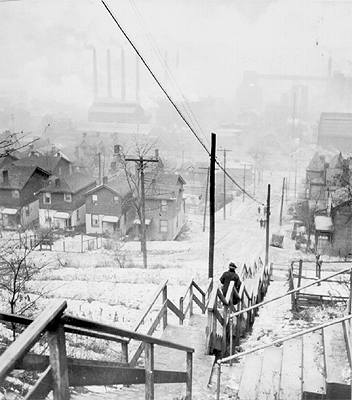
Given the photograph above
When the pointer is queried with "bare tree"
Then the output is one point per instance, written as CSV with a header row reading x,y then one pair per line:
x,y
17,268
140,178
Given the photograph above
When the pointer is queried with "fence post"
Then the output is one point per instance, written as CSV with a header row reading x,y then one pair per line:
x,y
165,313
231,338
181,309
58,362
81,242
149,371
300,265
63,246
189,363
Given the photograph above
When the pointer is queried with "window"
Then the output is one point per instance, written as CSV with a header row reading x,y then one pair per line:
x,y
164,205
47,198
95,220
27,210
163,225
77,215
116,200
16,194
60,171
68,197
95,199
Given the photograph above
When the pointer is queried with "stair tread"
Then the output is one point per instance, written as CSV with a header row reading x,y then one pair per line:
x,y
270,375
336,361
313,373
250,377
291,381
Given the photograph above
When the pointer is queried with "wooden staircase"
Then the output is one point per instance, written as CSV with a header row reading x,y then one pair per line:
x,y
311,367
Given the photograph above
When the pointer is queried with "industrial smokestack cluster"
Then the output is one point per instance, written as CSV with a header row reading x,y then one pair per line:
x,y
109,76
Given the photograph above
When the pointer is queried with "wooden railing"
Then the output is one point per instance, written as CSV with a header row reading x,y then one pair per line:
x,y
191,296
61,372
224,327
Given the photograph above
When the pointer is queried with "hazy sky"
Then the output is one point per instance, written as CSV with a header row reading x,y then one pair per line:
x,y
46,46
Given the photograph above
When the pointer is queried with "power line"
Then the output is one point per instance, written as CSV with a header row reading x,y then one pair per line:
x,y
170,99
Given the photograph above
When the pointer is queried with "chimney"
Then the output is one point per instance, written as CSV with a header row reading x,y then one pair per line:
x,y
138,84
76,151
123,76
57,182
31,147
105,180
5,177
117,149
113,167
157,154
95,75
109,75
84,134
52,150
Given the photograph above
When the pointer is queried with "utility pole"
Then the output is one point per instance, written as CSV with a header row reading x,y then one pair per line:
x,y
142,164
212,206
267,227
224,150
282,200
206,198
99,167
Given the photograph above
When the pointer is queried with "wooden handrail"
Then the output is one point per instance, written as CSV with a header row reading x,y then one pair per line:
x,y
289,293
148,307
27,338
5,317
85,323
284,339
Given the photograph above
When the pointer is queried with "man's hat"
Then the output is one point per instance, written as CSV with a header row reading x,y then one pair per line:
x,y
232,265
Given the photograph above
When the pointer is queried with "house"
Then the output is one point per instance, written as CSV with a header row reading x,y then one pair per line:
x,y
341,215
109,206
335,131
164,207
316,178
18,195
62,201
56,165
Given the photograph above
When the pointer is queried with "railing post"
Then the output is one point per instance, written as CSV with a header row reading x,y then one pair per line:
x,y
124,349
231,338
164,297
58,362
149,371
189,363
181,309
224,330
350,299
191,300
218,381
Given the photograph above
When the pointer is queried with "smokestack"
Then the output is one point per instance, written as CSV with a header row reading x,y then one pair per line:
x,y
123,76
138,84
109,74
95,74
330,67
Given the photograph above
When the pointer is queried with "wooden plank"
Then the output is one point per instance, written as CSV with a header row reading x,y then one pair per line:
x,y
313,368
58,362
269,383
291,384
113,330
42,387
27,338
336,363
91,376
175,310
250,377
189,372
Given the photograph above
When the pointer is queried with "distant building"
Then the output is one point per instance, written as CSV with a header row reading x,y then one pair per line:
x,y
335,131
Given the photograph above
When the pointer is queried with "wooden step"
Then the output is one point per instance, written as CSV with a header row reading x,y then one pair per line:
x,y
250,377
269,382
336,363
313,369
291,381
